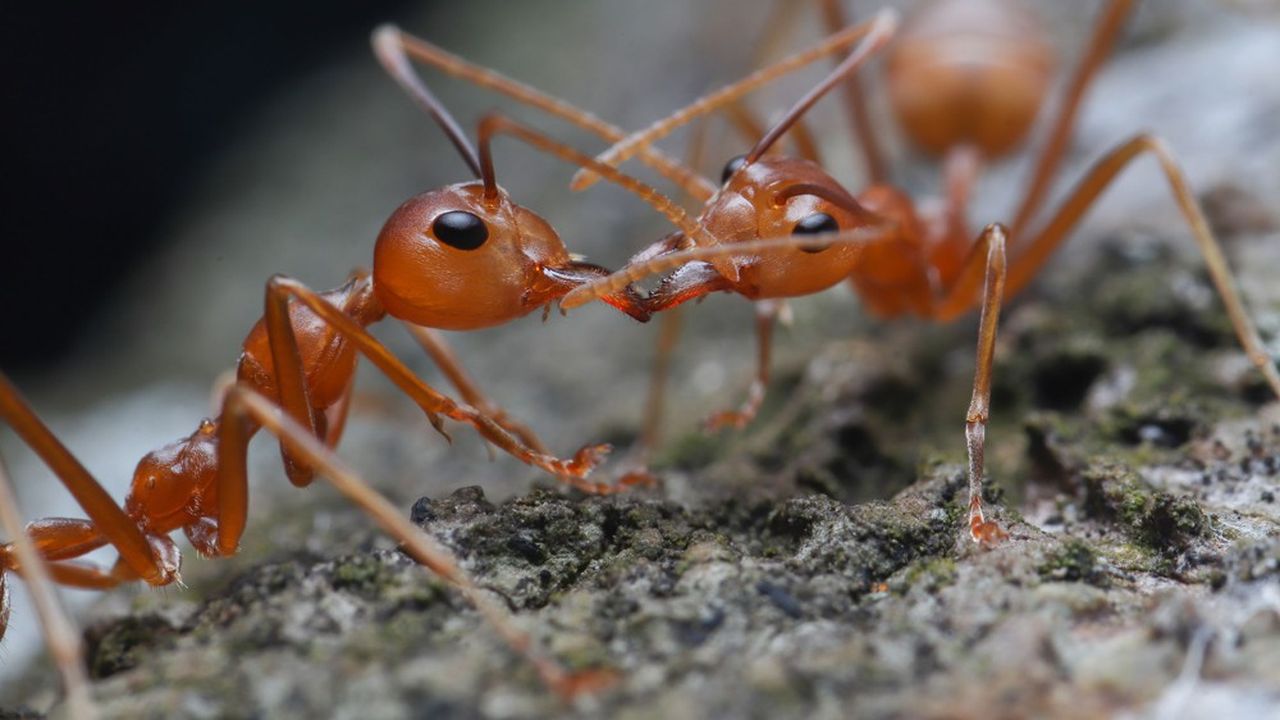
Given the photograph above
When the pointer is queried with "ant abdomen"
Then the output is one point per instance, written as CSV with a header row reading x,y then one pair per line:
x,y
969,73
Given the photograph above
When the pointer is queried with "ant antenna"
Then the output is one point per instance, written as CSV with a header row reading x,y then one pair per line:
x,y
496,123
884,21
389,47
881,31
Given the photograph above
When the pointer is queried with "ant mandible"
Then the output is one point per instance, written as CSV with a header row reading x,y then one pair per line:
x,y
911,261
462,257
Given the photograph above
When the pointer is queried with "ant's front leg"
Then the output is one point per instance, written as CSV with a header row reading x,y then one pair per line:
x,y
291,380
988,253
434,344
766,317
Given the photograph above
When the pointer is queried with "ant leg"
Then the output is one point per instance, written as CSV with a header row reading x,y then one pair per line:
x,y
668,332
1107,29
780,23
869,36
806,144
1036,254
433,343
495,123
988,252
431,401
948,254
336,415
392,45
766,316
855,101
118,528
656,402
244,406
63,640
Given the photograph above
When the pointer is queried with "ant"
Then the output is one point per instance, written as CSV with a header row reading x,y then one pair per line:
x,y
913,259
462,257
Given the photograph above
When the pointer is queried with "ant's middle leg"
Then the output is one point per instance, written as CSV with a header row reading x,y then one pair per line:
x,y
988,253
766,318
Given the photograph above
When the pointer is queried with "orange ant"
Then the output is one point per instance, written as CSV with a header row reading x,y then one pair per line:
x,y
911,260
462,257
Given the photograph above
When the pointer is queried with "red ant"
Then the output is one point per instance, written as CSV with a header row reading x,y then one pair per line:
x,y
462,257
970,105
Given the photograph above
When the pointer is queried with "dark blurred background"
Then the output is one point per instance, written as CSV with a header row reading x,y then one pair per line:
x,y
111,112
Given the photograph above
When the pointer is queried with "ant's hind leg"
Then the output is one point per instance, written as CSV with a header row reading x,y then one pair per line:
x,y
244,405
61,637
988,252
766,317
1028,263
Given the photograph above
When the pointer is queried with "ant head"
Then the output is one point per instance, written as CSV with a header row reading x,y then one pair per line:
x,y
775,197
459,259
970,73
765,197
465,256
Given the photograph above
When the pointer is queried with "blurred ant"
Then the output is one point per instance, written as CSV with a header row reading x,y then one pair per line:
x,y
962,81
462,257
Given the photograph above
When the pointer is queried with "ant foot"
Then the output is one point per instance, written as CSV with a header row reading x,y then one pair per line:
x,y
640,477
987,533
572,685
729,418
585,460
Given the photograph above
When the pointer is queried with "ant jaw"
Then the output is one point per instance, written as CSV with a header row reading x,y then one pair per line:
x,y
562,279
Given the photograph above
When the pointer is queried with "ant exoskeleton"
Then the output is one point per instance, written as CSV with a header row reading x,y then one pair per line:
x,y
912,261
462,257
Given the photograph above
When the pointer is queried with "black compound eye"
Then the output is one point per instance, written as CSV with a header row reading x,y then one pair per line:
x,y
732,167
460,229
816,224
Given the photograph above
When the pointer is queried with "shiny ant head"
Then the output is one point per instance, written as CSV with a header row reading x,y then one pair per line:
x,y
775,197
466,256
764,197
458,259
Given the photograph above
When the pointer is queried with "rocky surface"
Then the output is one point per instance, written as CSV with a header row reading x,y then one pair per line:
x,y
812,566
1137,463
